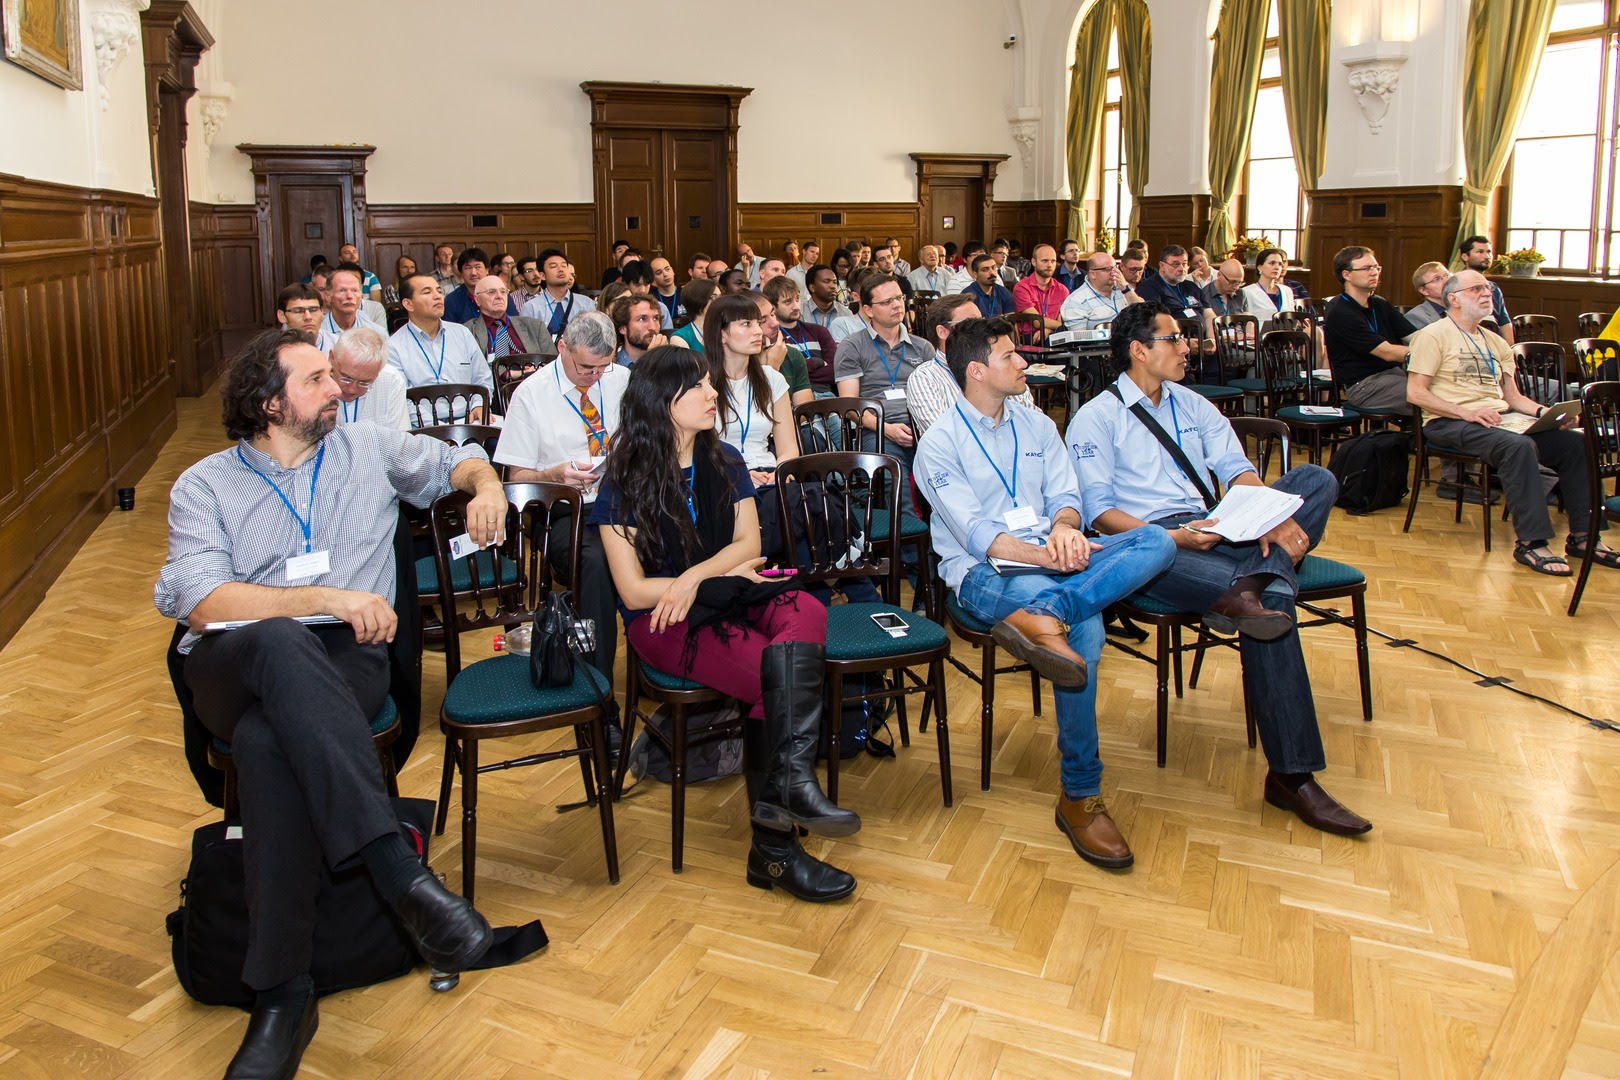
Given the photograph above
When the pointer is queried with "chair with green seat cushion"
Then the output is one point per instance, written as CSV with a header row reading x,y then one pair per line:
x,y
1297,418
495,698
384,731
461,573
849,489
1224,398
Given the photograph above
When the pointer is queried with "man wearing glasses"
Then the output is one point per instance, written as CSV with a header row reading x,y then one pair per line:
x,y
1428,279
1103,296
1132,475
876,362
1365,334
369,390
298,307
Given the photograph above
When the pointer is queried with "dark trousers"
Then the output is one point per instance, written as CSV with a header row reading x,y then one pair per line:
x,y
295,704
594,596
1517,459
1275,681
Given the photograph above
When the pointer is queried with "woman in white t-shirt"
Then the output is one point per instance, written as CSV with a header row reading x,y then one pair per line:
x,y
1268,296
754,407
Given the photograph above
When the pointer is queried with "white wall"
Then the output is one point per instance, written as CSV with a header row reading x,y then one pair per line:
x,y
525,137
48,133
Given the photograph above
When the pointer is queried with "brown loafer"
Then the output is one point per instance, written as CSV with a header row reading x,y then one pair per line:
x,y
1315,807
1093,833
1042,642
1239,611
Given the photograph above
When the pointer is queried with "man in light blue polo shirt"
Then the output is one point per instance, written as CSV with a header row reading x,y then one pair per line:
x,y
1002,485
428,351
1131,476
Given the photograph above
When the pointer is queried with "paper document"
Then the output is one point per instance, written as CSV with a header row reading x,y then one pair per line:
x,y
1248,512
1012,567
1045,369
1321,410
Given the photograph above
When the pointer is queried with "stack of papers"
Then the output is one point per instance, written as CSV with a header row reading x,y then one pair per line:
x,y
1249,512
1051,370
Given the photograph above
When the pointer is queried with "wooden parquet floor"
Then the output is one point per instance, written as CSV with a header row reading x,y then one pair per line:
x,y
1473,933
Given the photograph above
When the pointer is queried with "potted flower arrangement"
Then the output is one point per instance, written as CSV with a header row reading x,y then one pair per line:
x,y
1526,262
1248,248
1105,237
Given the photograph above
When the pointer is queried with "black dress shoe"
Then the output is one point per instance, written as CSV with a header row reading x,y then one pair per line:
x,y
275,1041
1315,807
448,931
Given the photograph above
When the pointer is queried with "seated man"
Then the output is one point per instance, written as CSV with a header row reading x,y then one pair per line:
x,y
638,322
1100,299
1002,486
1461,377
557,303
823,308
1130,475
933,275
343,312
1428,279
1040,293
370,287
428,351
298,307
557,429
297,519
814,342
498,332
370,389
876,362
932,388
987,291
1365,335
459,305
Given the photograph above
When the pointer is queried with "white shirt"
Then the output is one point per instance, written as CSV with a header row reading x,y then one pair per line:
x,y
749,431
931,389
326,333
845,325
796,272
543,428
375,312
938,280
542,307
1261,305
961,281
450,357
383,404
1086,307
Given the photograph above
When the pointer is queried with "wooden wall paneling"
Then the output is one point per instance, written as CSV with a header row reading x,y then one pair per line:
x,y
226,287
86,376
1031,222
767,226
1405,227
1565,299
1171,219
397,229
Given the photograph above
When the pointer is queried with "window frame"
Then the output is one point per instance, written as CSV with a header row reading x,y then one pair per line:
x,y
1121,190
1240,199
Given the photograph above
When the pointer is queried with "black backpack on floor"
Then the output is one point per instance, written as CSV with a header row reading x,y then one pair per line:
x,y
1371,470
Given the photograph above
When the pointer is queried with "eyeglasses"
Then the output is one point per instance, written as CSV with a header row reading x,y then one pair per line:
x,y
361,384
1100,270
886,300
1171,338
593,369
304,310
1476,289
1370,266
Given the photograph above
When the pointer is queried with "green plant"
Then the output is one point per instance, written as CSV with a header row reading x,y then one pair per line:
x,y
1105,237
1246,246
1525,255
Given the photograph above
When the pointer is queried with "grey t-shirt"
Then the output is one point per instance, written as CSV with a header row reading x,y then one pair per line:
x,y
882,369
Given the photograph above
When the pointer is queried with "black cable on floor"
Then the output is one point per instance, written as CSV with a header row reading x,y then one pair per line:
x,y
1484,680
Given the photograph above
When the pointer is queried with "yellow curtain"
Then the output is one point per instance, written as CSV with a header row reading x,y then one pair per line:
x,y
1240,42
1302,46
1088,90
1505,42
1135,64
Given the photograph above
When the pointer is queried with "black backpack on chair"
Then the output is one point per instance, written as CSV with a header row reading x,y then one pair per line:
x,y
1371,470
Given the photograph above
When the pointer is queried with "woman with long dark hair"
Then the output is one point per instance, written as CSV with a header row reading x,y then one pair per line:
x,y
754,403
681,534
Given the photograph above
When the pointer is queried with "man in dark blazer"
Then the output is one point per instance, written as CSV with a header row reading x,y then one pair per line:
x,y
500,334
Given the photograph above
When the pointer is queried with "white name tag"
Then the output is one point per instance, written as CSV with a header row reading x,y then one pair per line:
x,y
1021,517
895,393
462,546
307,566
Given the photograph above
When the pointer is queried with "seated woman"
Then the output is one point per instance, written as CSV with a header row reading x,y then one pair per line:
x,y
694,605
696,296
1268,296
754,403
1198,268
842,263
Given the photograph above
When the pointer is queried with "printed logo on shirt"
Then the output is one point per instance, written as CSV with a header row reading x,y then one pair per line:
x,y
1085,450
1035,453
939,479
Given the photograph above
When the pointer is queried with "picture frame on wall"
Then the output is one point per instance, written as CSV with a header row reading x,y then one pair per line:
x,y
43,36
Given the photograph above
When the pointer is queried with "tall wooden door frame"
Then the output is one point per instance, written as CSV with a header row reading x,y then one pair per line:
x,y
977,167
620,106
272,164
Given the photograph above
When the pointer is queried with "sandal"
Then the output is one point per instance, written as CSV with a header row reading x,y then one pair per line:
x,y
1524,553
1603,556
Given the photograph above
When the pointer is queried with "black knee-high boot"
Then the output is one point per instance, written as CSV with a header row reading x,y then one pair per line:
x,y
775,858
791,676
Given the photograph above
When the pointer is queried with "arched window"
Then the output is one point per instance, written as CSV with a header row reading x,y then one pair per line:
x,y
1560,193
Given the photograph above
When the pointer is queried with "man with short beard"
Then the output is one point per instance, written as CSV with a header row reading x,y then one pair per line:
x,y
636,320
296,520
1476,255
823,308
1069,270
529,282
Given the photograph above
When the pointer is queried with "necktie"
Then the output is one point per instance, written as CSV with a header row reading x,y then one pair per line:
x,y
595,433
556,324
503,341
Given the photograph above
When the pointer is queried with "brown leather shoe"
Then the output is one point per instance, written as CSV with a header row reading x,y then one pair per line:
x,y
1093,833
1315,807
1239,611
1042,642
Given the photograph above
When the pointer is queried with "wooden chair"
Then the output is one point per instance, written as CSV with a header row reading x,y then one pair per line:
x,y
1538,370
1591,324
494,698
1226,398
1600,417
1167,624
1596,359
831,503
1533,328
917,303
1236,338
385,729
1029,328
485,435
1420,472
1277,362
510,371
1288,353
436,404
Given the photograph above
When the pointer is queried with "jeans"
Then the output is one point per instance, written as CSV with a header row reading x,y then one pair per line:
x,y
1126,563
1275,681
1517,460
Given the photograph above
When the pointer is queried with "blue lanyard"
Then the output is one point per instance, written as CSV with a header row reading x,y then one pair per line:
x,y
1114,304
690,475
599,429
332,324
900,365
1012,488
308,527
747,417
349,417
827,315
802,342
1175,422
1483,353
438,372
1372,316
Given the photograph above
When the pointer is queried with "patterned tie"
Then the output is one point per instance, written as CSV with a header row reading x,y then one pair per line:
x,y
595,433
556,323
503,341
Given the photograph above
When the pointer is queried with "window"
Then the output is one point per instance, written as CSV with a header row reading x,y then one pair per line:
x,y
1113,190
1561,196
1272,204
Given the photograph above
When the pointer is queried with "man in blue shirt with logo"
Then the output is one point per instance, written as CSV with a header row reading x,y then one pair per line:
x,y
1002,486
987,291
1146,451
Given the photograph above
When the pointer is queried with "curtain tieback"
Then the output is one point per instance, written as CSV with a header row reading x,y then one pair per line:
x,y
1476,196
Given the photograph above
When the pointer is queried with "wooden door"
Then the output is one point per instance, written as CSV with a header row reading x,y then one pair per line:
x,y
308,200
635,166
310,210
957,213
694,191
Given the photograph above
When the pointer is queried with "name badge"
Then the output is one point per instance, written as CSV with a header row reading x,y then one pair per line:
x,y
1191,313
462,546
307,566
1021,517
895,393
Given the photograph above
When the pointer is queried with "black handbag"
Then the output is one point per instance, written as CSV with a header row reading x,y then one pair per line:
x,y
358,942
551,646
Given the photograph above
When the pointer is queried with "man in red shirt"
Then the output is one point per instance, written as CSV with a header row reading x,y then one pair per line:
x,y
1041,293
